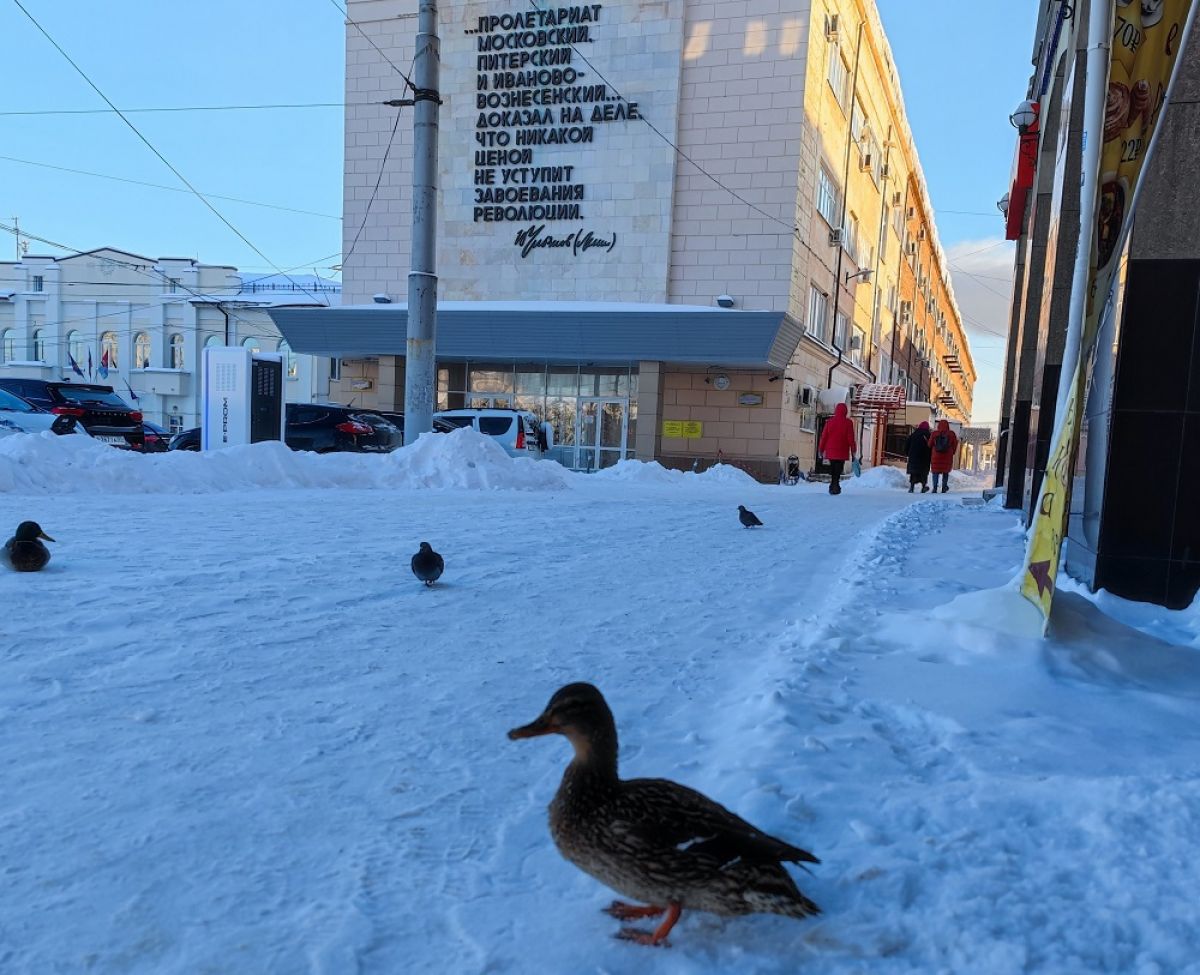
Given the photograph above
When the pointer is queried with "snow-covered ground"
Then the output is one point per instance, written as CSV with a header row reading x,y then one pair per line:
x,y
239,737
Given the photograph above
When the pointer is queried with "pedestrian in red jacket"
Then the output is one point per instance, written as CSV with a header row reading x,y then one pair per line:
x,y
943,445
837,445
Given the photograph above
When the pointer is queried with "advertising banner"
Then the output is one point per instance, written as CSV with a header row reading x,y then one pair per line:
x,y
1147,38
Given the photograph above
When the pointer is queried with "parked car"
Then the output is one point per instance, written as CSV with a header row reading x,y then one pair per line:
x,y
324,429
439,425
99,410
18,416
518,432
156,439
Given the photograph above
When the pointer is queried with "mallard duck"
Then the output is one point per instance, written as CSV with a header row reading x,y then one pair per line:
x,y
427,565
656,841
24,551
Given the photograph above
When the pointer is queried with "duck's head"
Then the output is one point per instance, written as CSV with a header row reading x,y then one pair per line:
x,y
579,713
31,531
426,547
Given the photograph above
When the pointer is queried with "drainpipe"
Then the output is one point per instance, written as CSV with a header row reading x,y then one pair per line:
x,y
837,274
226,314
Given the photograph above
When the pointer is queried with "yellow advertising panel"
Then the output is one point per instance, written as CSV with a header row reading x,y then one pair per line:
x,y
1147,37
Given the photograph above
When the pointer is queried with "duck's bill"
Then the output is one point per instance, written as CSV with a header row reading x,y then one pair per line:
x,y
542,726
45,537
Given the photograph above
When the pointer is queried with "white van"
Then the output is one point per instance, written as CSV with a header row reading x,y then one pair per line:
x,y
517,431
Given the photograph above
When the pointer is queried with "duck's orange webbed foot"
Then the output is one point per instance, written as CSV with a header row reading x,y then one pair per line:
x,y
658,937
629,912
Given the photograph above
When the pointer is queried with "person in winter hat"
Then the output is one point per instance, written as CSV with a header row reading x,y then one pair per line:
x,y
943,446
837,445
918,451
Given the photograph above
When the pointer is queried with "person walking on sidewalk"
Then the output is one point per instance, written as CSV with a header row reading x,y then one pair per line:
x,y
943,446
918,451
837,445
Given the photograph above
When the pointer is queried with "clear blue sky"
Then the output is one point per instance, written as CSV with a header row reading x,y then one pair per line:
x,y
146,53
964,65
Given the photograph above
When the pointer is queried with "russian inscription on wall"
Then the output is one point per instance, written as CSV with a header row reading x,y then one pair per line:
x,y
547,163
534,88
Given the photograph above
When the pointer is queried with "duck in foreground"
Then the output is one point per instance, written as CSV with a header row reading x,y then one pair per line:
x,y
656,841
24,551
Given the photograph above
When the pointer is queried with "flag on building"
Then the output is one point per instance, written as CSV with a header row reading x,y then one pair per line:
x,y
1147,39
103,370
74,365
89,363
132,395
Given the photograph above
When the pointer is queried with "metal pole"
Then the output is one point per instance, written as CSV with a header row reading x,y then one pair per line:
x,y
1095,90
420,366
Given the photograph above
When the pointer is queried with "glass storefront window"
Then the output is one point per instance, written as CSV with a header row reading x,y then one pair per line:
x,y
491,380
562,382
531,379
533,404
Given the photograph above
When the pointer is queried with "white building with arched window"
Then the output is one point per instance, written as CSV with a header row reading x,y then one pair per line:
x,y
140,325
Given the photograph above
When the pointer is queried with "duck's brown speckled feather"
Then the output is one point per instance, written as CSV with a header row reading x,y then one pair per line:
x,y
659,842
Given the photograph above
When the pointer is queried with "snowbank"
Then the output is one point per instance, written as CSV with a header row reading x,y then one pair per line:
x,y
651,473
883,477
465,460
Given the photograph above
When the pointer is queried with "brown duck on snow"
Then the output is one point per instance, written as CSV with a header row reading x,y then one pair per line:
x,y
656,841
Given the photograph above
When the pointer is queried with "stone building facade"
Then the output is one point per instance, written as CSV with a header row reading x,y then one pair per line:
x,y
747,154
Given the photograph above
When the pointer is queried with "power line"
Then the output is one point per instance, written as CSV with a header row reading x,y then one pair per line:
x,y
375,191
74,252
159,186
149,145
379,50
170,108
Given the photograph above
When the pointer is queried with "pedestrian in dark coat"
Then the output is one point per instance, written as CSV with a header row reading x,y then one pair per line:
x,y
837,445
943,446
918,451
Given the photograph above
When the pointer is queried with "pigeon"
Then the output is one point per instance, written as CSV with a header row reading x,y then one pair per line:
x,y
427,565
24,552
748,518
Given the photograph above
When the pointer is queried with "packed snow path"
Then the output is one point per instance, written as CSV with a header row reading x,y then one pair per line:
x,y
240,737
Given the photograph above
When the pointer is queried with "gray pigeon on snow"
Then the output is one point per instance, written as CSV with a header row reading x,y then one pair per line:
x,y
748,518
427,565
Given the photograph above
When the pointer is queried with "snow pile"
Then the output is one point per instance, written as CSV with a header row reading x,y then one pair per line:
x,y
464,459
883,476
649,473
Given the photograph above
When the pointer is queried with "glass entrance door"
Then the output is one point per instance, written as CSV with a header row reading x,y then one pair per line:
x,y
601,432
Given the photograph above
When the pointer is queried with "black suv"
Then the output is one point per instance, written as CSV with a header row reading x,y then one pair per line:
x,y
324,429
97,409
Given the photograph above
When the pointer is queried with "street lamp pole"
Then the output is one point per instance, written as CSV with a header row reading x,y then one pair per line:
x,y
420,365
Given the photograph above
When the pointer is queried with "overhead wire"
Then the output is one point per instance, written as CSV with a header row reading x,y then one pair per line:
x,y
168,108
149,145
169,189
74,252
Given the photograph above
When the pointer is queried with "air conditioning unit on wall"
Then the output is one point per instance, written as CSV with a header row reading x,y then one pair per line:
x,y
831,27
837,238
865,162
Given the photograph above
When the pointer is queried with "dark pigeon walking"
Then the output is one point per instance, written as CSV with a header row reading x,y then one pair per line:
x,y
748,518
24,551
427,565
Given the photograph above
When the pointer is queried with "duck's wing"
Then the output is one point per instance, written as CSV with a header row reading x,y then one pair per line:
x,y
660,814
